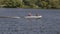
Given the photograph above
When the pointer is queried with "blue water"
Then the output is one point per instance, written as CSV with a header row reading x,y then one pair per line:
x,y
48,24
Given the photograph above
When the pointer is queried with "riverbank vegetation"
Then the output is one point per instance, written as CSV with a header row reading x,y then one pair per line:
x,y
42,4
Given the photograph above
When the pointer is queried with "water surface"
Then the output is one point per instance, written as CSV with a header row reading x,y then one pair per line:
x,y
48,24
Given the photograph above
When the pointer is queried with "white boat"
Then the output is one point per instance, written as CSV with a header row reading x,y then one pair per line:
x,y
33,17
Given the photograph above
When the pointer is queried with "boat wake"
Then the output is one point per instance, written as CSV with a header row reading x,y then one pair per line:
x,y
9,17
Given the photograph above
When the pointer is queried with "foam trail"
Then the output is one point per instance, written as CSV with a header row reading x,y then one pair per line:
x,y
9,17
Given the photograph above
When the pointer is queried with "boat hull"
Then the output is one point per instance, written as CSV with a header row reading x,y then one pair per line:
x,y
33,17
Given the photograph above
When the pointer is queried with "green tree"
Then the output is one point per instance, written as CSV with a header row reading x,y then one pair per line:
x,y
45,4
54,3
12,3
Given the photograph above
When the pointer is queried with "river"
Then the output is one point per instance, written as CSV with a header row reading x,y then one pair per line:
x,y
48,24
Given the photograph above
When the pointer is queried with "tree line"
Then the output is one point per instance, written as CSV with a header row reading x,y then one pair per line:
x,y
42,4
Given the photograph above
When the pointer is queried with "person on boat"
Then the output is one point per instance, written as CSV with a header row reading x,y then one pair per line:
x,y
37,14
29,14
